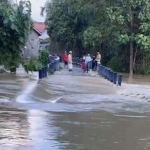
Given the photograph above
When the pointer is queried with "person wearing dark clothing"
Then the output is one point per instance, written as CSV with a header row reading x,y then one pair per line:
x,y
51,59
51,62
93,63
60,58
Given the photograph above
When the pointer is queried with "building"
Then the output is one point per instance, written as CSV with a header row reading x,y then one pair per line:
x,y
35,41
44,41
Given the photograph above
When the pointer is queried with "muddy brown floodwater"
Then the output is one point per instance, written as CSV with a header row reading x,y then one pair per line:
x,y
71,111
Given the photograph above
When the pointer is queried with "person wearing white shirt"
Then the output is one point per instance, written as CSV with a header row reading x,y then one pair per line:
x,y
70,66
98,59
88,60
84,55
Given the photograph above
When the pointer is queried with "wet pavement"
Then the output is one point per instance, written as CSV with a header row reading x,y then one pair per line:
x,y
72,111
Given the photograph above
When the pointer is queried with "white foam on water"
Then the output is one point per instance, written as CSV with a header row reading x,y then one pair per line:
x,y
24,96
53,100
129,116
56,100
4,99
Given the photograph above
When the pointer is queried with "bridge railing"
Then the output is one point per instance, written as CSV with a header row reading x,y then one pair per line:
x,y
50,68
77,61
104,71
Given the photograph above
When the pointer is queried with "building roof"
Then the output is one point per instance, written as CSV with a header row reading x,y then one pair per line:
x,y
39,27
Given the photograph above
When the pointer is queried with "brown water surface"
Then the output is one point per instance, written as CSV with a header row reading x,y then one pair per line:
x,y
70,111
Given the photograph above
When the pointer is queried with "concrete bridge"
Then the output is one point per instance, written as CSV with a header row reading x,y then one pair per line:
x,y
93,83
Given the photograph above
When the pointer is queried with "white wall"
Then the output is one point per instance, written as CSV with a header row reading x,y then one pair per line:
x,y
44,35
32,45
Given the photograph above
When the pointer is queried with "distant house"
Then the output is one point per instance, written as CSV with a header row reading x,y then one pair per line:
x,y
44,40
44,44
33,45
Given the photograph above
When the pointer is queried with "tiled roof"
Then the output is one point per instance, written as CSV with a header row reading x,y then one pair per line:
x,y
39,26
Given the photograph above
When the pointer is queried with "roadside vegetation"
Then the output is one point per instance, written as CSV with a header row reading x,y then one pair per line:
x,y
36,64
15,26
120,30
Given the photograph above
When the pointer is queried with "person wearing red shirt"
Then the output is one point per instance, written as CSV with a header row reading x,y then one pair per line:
x,y
65,59
83,65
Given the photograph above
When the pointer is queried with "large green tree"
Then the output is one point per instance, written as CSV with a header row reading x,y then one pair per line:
x,y
132,19
15,26
119,29
66,21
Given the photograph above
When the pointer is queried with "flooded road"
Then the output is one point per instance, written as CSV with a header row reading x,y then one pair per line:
x,y
71,111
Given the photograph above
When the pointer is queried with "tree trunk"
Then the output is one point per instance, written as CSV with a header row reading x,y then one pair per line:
x,y
131,62
131,49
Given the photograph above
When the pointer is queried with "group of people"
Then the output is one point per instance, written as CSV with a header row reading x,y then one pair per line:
x,y
88,62
54,59
67,59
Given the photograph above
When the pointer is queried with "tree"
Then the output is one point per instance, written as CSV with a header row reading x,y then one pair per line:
x,y
44,57
15,26
119,29
66,24
132,20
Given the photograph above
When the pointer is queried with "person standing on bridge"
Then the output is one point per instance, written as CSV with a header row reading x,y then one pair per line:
x,y
70,66
65,59
84,55
98,59
83,65
88,61
93,63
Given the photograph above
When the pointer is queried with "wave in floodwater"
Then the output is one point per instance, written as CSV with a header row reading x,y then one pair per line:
x,y
51,100
63,104
76,102
24,96
55,100
130,116
4,99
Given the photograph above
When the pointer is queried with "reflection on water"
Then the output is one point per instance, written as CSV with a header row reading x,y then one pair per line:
x,y
38,130
13,129
41,132
72,113
138,79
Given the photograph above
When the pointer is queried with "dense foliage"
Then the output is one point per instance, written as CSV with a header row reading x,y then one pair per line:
x,y
32,65
36,64
15,25
119,29
44,57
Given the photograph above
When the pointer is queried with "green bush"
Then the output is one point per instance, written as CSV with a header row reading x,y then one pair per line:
x,y
13,69
32,65
118,64
44,57
143,68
